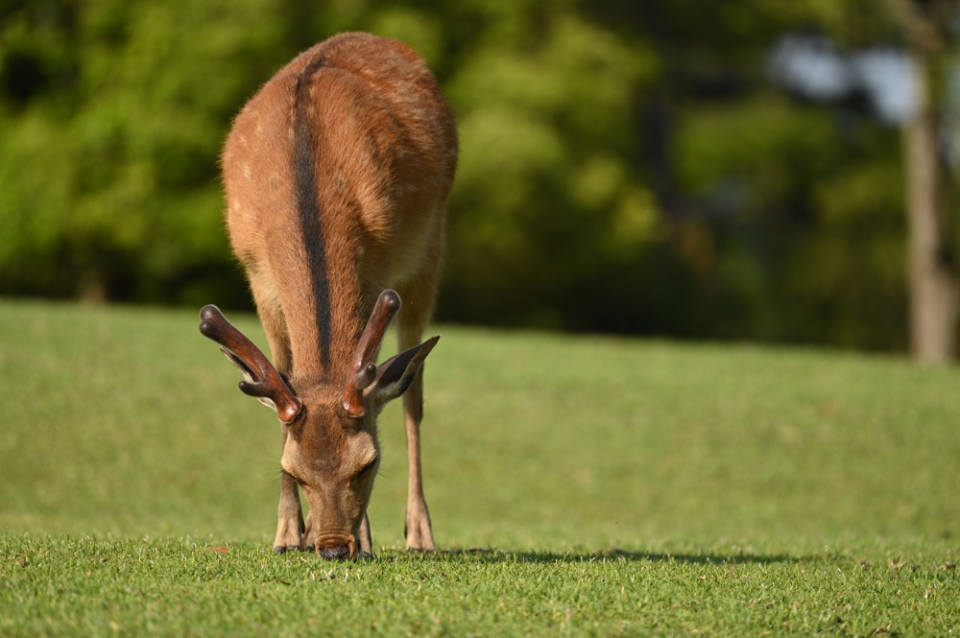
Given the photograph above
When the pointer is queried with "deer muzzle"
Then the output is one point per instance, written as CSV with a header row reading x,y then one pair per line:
x,y
337,547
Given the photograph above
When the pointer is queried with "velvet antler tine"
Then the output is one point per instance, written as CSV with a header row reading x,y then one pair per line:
x,y
365,376
364,369
386,308
261,379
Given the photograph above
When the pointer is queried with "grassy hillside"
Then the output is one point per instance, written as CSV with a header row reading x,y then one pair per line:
x,y
614,486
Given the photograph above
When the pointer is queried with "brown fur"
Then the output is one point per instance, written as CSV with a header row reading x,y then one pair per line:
x,y
379,144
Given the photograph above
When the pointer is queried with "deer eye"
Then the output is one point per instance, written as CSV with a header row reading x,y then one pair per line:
x,y
368,467
296,478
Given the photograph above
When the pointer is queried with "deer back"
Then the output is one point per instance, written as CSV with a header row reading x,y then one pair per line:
x,y
336,174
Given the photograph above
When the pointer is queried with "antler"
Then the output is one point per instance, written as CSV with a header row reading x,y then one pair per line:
x,y
261,379
364,369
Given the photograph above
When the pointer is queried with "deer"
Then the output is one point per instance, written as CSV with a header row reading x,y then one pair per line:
x,y
336,176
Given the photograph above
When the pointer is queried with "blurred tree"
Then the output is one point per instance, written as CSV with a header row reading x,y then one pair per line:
x,y
625,167
826,270
113,114
742,173
934,301
926,28
548,202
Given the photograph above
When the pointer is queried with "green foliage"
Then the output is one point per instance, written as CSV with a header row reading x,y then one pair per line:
x,y
765,142
109,186
796,217
624,167
545,188
614,486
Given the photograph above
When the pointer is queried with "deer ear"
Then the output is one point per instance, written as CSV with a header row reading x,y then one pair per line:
x,y
396,374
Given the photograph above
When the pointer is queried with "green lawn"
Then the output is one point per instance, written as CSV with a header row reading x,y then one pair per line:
x,y
581,486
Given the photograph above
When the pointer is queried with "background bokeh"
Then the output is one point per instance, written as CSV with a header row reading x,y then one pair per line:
x,y
710,170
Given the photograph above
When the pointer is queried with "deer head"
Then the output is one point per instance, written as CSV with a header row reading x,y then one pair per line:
x,y
330,443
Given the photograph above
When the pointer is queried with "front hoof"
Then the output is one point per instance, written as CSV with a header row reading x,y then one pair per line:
x,y
420,535
289,535
422,550
283,549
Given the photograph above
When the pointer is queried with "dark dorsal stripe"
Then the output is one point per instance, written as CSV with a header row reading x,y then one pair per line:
x,y
305,147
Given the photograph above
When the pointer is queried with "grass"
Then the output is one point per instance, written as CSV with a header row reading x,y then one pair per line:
x,y
581,486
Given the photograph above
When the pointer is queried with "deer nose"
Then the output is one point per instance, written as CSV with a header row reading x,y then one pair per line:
x,y
337,552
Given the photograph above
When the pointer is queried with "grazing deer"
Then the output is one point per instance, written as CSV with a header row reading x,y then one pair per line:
x,y
337,174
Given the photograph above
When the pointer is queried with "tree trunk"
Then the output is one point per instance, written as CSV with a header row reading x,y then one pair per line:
x,y
932,281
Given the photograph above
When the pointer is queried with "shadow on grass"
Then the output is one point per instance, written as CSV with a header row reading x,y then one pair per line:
x,y
707,558
491,555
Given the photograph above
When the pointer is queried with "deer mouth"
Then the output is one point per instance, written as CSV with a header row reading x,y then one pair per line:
x,y
337,547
